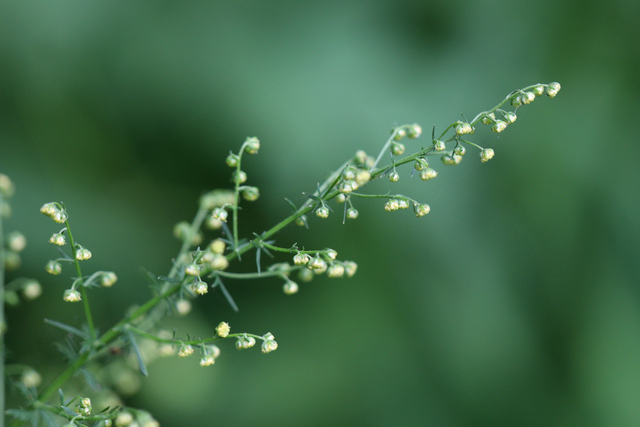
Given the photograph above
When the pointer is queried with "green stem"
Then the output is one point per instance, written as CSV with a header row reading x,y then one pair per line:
x,y
2,320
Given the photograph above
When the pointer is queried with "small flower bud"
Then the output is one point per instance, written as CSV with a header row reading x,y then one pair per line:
x,y
403,204
439,145
289,287
232,160
83,254
108,279
60,217
31,289
71,295
350,268
12,260
322,212
553,89
427,174
220,214
183,306
510,117
30,378
185,350
192,269
399,134
397,148
345,187
515,101
250,194
488,119
124,419
421,210
499,126
217,246
53,267
360,157
16,241
352,213
6,186
335,270
239,177
252,145
58,239
301,221
394,176
199,287
5,209
414,131
245,342
301,259
341,198
223,329
269,344
392,205
463,128
459,150
207,360
527,98
538,90
349,174
362,176
486,155
317,263
331,253
305,275
49,209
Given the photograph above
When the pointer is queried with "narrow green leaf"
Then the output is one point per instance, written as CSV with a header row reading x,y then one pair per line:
x,y
138,354
67,328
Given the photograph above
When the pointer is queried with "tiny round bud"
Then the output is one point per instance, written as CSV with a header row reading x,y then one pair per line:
x,y
510,117
394,176
421,210
331,253
460,150
30,378
345,187
290,288
60,217
335,270
185,350
488,119
499,126
463,128
362,176
245,342
71,295
124,419
349,174
317,263
31,289
49,209
403,204
269,344
16,241
301,221
392,205
397,148
199,287
219,262
553,89
527,98
207,360
515,101
232,160
239,177
305,275
350,268
192,269
83,254
108,279
217,246
6,186
352,213
486,155
360,157
183,306
58,239
427,174
322,212
223,329
538,90
53,267
213,224
414,131
301,259
250,194
341,198
252,145
12,260
399,134
220,214
439,146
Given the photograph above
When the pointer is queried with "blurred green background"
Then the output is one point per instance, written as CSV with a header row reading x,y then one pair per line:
x,y
515,302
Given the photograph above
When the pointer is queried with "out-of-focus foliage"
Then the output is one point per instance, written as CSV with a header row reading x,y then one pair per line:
x,y
515,302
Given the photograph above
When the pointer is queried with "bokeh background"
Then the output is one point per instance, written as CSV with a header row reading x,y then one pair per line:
x,y
515,302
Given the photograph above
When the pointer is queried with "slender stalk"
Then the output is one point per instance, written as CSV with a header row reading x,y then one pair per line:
x,y
2,320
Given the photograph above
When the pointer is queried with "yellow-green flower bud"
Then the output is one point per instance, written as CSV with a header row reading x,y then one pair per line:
x,y
220,214
301,221
6,186
553,89
427,174
538,90
58,239
322,212
488,119
394,176
459,150
335,270
439,146
397,148
217,246
31,289
499,126
399,134
83,254
362,176
331,253
414,131
486,155
199,287
350,268
352,213
223,329
510,117
232,160
239,177
305,275
108,279
421,210
269,344
290,288
317,263
301,259
185,350
53,267
463,128
252,145
71,295
250,194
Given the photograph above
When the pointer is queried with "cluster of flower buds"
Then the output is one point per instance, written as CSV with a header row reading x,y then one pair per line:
x,y
244,342
55,212
134,417
323,261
